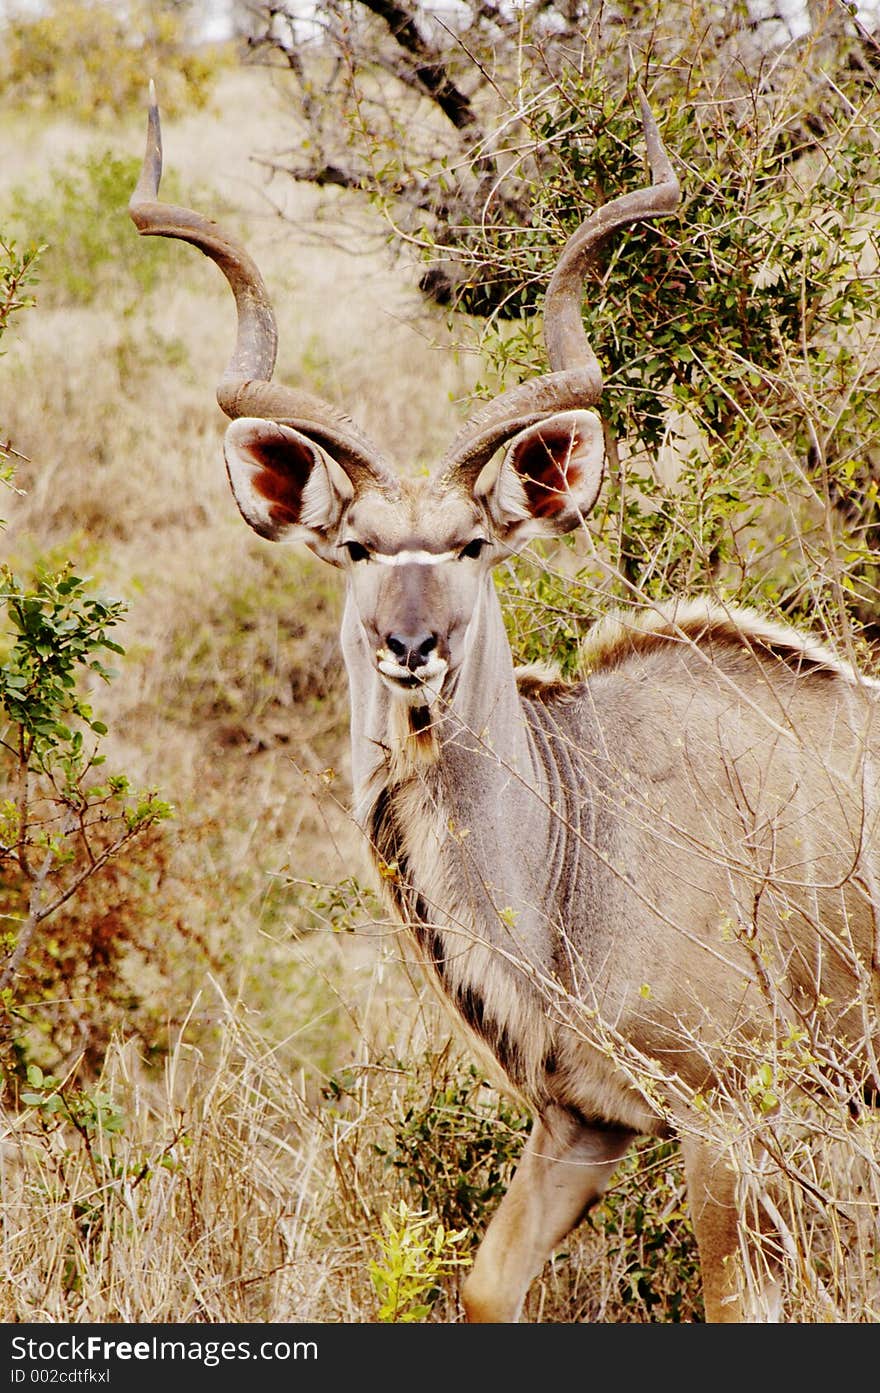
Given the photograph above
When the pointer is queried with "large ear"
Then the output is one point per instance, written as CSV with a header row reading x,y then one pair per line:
x,y
548,479
287,488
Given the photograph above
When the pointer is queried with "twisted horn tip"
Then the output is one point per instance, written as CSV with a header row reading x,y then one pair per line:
x,y
662,172
147,187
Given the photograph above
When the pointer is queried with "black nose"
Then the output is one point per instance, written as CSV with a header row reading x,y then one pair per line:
x,y
411,650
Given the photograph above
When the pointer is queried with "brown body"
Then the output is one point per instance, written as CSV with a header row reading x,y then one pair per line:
x,y
620,887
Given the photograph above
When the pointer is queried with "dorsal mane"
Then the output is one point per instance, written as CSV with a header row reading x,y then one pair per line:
x,y
624,634
542,682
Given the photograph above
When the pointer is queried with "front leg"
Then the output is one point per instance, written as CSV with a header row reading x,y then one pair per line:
x,y
565,1166
712,1198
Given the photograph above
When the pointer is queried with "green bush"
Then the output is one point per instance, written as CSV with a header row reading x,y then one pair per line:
x,y
650,1245
92,57
457,1143
416,1255
738,334
66,826
90,250
17,274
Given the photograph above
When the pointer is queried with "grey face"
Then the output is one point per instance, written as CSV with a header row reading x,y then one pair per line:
x,y
418,555
416,574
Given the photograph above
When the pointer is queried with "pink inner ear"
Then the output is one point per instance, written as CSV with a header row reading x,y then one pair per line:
x,y
547,468
281,471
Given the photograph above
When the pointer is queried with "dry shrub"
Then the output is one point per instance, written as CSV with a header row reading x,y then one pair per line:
x,y
99,964
216,1188
179,1209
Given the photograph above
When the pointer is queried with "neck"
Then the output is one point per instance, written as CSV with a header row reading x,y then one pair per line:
x,y
477,717
463,836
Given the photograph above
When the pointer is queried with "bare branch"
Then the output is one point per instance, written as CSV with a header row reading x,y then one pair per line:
x,y
430,71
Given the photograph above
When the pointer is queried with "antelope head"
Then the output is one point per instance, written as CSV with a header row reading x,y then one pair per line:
x,y
418,555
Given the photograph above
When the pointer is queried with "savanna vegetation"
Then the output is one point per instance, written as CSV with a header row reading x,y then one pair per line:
x,y
225,1095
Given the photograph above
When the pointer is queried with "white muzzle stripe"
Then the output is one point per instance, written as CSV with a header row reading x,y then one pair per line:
x,y
428,678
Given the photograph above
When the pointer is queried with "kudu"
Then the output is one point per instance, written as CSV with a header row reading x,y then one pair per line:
x,y
621,886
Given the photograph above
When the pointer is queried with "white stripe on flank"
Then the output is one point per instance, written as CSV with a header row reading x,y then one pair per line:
x,y
412,558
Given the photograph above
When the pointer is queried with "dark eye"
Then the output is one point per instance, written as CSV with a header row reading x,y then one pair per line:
x,y
356,551
473,549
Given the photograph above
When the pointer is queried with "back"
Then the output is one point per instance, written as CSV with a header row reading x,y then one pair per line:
x,y
725,844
